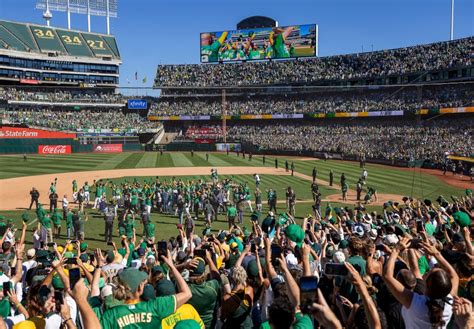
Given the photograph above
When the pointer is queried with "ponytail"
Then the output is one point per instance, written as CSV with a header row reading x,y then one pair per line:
x,y
435,310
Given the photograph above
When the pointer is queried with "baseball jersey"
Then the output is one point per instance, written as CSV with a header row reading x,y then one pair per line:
x,y
184,312
210,53
279,47
145,315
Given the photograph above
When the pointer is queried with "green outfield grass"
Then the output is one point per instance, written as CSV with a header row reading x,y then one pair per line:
x,y
384,179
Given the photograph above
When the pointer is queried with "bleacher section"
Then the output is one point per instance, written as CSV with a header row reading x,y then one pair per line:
x,y
33,38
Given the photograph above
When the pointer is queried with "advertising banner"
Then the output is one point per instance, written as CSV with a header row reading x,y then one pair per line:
x,y
262,43
17,132
229,146
54,149
137,104
107,148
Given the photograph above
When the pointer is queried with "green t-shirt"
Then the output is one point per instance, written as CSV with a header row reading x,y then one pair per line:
x,y
423,265
46,222
69,219
254,54
232,212
279,47
56,217
204,299
142,315
150,230
347,289
302,321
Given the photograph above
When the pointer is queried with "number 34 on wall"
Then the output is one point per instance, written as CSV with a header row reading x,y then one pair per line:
x,y
44,34
73,41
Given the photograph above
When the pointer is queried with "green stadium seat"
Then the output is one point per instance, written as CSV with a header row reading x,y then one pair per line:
x,y
112,43
9,41
47,39
97,45
21,32
74,43
37,38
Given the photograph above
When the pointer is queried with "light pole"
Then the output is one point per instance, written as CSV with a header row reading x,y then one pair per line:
x,y
452,20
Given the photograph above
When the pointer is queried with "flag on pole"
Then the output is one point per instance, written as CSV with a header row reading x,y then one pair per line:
x,y
144,80
136,75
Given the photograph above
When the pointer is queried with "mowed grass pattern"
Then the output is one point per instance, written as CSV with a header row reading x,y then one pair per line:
x,y
384,179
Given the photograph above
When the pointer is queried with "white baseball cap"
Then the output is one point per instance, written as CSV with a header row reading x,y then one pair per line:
x,y
31,253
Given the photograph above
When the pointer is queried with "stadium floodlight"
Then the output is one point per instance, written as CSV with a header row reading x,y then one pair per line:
x,y
104,8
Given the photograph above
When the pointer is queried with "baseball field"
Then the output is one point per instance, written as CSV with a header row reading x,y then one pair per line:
x,y
18,176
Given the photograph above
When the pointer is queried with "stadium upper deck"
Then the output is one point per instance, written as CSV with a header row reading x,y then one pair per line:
x,y
36,54
418,64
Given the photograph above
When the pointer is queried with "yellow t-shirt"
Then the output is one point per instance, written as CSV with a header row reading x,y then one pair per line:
x,y
184,312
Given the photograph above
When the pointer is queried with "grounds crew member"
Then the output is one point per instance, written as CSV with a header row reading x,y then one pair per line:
x,y
292,169
109,217
286,166
315,172
331,177
34,193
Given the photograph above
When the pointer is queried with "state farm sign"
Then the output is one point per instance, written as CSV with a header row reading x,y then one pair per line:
x,y
54,149
16,132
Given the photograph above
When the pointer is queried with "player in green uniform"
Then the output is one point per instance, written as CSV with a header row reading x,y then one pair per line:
x,y
57,217
277,40
145,315
210,48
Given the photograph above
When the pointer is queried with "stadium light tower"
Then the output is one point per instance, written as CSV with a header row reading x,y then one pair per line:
x,y
104,8
452,21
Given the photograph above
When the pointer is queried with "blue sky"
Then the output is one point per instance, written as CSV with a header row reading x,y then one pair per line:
x,y
150,32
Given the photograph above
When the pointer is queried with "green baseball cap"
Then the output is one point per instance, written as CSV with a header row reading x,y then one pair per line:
x,y
462,219
83,246
295,233
343,244
200,268
57,282
133,278
165,288
252,268
25,217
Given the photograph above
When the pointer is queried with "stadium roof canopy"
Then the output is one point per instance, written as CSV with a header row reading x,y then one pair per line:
x,y
49,41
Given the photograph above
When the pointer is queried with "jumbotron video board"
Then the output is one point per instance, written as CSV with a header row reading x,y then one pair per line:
x,y
256,44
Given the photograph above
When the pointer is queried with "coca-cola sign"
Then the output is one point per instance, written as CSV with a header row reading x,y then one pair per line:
x,y
54,149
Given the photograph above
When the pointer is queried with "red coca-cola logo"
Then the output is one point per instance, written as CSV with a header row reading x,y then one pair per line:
x,y
54,149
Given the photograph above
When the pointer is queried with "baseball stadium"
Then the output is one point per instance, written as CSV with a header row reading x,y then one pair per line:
x,y
261,182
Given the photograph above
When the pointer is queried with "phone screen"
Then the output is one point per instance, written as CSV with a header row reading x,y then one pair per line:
x,y
58,298
336,269
308,292
200,253
419,226
162,248
6,288
74,276
276,253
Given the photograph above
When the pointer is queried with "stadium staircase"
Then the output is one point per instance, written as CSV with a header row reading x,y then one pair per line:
x,y
166,138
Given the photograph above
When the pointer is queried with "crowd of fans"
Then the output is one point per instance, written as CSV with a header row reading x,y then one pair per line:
x,y
408,99
383,139
62,96
442,55
408,266
76,120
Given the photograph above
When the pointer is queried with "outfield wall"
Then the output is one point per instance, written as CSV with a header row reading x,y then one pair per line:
x,y
32,146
